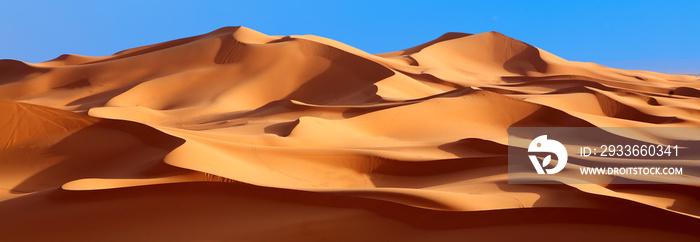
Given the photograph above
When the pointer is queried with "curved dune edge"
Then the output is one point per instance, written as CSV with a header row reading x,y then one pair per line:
x,y
412,143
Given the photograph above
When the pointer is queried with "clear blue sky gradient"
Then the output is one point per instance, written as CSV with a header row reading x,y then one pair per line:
x,y
617,33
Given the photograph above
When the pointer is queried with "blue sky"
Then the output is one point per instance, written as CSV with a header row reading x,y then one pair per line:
x,y
626,34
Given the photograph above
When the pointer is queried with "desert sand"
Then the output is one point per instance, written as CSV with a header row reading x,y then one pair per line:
x,y
240,136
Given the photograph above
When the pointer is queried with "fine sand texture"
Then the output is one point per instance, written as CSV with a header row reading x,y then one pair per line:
x,y
235,135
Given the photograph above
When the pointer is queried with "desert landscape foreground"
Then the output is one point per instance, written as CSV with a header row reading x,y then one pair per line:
x,y
236,135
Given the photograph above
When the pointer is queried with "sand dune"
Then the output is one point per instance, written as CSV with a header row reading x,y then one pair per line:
x,y
237,135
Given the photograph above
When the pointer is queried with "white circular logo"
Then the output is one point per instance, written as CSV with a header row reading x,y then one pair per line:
x,y
542,144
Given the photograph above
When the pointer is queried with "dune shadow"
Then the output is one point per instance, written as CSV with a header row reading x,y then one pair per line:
x,y
471,146
162,46
476,158
551,117
348,80
442,38
101,98
106,149
578,81
13,70
230,50
528,60
685,91
283,129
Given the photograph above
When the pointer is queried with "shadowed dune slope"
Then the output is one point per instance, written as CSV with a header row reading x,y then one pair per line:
x,y
44,148
238,135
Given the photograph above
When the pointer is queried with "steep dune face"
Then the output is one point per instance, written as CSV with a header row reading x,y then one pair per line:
x,y
410,143
44,148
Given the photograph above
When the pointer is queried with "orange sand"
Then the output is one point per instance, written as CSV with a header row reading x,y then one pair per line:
x,y
237,135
